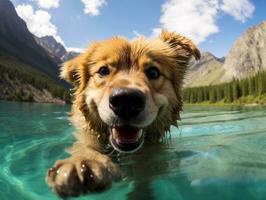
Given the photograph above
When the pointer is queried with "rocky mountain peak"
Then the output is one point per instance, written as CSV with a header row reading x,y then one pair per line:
x,y
248,54
28,72
50,44
205,57
17,41
206,71
10,21
55,49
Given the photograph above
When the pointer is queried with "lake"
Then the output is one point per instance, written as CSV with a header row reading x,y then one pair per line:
x,y
217,153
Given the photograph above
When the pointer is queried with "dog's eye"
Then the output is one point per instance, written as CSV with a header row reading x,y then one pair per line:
x,y
104,71
152,73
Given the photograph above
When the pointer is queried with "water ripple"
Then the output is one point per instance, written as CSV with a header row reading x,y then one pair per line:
x,y
216,153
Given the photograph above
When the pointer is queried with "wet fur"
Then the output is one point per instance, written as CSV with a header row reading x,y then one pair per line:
x,y
170,51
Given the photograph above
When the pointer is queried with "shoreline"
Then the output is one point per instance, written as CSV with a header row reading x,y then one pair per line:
x,y
247,101
35,102
225,104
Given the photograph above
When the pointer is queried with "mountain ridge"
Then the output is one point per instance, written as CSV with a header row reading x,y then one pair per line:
x,y
206,71
16,40
246,57
24,62
55,49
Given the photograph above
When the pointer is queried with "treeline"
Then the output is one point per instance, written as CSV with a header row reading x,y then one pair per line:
x,y
32,77
227,92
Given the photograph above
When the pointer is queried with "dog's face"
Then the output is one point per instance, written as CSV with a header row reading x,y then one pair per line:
x,y
131,88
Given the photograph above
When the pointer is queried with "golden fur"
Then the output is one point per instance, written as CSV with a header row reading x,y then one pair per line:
x,y
128,60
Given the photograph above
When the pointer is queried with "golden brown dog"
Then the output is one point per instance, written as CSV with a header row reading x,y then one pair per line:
x,y
127,93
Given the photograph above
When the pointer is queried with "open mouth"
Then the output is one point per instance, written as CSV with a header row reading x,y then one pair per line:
x,y
126,138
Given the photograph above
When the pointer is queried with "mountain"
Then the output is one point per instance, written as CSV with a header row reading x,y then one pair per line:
x,y
49,43
55,49
207,71
248,54
246,57
69,55
25,63
16,40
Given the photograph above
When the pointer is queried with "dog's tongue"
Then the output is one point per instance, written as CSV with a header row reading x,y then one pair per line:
x,y
126,134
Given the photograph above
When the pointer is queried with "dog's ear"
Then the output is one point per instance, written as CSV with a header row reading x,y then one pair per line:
x,y
70,71
183,46
182,50
75,70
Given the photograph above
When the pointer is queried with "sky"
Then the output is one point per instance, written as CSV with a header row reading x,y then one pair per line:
x,y
213,25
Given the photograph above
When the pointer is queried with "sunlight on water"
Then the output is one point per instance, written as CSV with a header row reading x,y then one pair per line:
x,y
216,153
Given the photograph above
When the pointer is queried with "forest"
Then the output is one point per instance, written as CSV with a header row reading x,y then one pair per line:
x,y
247,90
15,70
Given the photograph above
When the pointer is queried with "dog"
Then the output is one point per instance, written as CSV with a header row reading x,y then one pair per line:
x,y
127,94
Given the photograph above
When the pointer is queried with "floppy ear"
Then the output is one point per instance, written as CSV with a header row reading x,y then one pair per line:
x,y
75,70
70,71
183,46
183,49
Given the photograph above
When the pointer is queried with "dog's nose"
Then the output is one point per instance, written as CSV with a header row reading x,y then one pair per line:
x,y
127,103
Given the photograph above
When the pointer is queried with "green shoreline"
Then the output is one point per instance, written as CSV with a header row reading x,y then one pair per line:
x,y
242,101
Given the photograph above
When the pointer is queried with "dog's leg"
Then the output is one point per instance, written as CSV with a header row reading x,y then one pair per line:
x,y
85,171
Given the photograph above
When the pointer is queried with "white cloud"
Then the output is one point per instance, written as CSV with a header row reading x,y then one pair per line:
x,y
197,19
92,7
78,50
38,22
241,10
47,4
194,18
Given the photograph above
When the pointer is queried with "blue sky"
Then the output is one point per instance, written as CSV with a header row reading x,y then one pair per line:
x,y
212,24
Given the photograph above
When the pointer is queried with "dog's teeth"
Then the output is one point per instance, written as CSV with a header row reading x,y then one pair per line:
x,y
140,133
117,140
114,133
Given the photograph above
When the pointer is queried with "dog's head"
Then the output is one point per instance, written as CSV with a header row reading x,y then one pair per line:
x,y
128,89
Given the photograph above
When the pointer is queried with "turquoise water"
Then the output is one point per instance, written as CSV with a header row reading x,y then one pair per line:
x,y
217,153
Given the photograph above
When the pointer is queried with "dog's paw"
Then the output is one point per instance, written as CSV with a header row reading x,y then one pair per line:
x,y
74,176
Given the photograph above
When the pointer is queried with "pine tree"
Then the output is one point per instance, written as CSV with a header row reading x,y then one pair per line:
x,y
255,85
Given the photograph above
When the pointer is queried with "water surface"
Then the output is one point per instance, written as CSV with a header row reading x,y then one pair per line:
x,y
216,153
